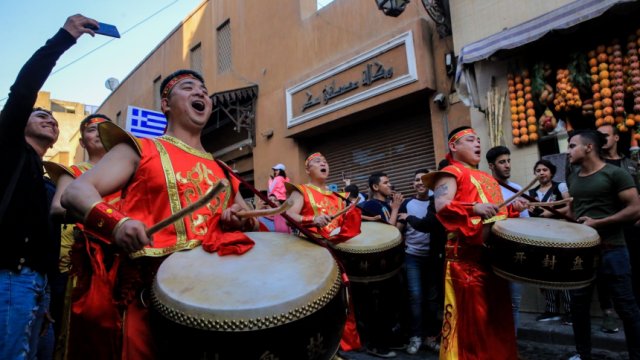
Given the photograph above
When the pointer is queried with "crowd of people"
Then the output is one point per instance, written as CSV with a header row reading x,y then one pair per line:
x,y
85,286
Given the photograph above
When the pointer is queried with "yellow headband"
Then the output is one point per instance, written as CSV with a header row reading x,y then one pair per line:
x,y
460,134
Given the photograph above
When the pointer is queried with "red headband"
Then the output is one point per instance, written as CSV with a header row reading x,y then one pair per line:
x,y
311,157
167,88
95,120
460,134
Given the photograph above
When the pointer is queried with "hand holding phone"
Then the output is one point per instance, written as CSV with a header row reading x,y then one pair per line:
x,y
105,29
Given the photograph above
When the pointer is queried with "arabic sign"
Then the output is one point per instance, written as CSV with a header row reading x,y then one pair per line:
x,y
379,70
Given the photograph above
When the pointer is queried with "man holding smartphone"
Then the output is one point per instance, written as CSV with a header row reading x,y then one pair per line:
x,y
28,249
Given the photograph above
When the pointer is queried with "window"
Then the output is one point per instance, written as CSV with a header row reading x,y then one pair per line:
x,y
196,58
156,93
224,47
323,3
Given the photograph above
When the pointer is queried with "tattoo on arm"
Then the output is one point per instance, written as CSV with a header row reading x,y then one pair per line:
x,y
441,191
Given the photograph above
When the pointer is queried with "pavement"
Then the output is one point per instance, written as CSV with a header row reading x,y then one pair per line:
x,y
539,341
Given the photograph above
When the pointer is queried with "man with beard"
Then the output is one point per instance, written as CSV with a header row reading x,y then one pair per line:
x,y
604,197
29,244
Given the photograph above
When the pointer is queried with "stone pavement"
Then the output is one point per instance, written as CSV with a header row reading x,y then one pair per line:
x,y
540,341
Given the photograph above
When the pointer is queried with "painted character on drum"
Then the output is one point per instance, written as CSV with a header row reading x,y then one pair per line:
x,y
476,300
605,198
158,177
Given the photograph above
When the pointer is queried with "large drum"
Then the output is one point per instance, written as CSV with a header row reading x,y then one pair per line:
x,y
281,300
550,253
376,254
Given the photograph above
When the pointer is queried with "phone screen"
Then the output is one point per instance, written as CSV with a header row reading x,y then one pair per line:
x,y
107,30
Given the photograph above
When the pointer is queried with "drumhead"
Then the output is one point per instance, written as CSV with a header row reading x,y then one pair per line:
x,y
374,237
282,279
546,232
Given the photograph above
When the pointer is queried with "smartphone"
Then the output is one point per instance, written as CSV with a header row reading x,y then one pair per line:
x,y
106,30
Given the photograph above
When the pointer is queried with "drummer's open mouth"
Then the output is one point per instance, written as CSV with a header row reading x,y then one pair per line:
x,y
198,105
323,170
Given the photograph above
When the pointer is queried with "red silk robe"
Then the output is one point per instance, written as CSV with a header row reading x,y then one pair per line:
x,y
324,202
478,320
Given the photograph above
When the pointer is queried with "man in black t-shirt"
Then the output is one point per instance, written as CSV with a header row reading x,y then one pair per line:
x,y
378,205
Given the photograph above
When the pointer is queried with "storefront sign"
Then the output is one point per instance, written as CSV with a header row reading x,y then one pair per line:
x,y
386,67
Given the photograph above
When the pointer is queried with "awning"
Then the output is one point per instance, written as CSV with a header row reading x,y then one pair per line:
x,y
561,18
240,94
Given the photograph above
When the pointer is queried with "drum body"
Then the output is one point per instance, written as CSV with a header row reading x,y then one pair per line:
x,y
550,253
281,300
376,254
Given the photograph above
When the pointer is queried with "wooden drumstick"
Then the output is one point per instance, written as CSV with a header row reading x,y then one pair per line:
x,y
551,203
265,212
204,200
344,211
519,193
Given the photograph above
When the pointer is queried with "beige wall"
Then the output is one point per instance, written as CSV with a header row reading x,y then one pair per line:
x,y
276,47
473,20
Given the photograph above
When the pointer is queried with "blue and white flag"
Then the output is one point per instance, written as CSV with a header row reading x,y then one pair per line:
x,y
145,123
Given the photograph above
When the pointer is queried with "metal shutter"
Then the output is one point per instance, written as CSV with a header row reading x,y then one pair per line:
x,y
397,145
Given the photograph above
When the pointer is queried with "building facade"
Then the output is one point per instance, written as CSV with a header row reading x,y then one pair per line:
x,y
288,80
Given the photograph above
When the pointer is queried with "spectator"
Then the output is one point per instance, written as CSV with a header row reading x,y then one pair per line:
x,y
549,191
29,250
604,197
381,191
499,159
277,181
423,267
631,234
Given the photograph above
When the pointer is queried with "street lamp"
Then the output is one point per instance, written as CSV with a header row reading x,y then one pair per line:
x,y
392,7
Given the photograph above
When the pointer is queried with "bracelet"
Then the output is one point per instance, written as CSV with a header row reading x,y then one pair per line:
x,y
307,220
103,220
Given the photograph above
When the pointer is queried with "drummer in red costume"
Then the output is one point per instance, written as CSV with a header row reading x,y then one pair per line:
x,y
313,207
478,322
158,177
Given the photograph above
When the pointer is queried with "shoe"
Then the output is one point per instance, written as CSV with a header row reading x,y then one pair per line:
x,y
382,353
414,345
566,320
432,344
547,316
609,325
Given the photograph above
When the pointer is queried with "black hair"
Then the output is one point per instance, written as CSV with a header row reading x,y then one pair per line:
x,y
443,164
496,152
43,110
281,173
594,137
421,171
616,131
178,73
548,164
352,189
374,179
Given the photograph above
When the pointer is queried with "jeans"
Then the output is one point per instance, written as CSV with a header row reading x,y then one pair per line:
x,y
21,296
424,276
516,297
615,273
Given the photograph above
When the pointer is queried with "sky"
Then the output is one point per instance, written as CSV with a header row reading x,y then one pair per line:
x,y
27,24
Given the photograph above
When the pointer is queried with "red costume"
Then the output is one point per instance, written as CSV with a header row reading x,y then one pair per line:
x,y
170,176
478,320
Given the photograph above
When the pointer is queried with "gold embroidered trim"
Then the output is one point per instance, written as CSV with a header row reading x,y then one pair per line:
x,y
586,243
183,146
245,324
159,252
475,183
545,284
316,188
494,219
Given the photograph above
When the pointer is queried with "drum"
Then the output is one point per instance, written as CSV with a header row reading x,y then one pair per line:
x,y
376,254
550,253
281,300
